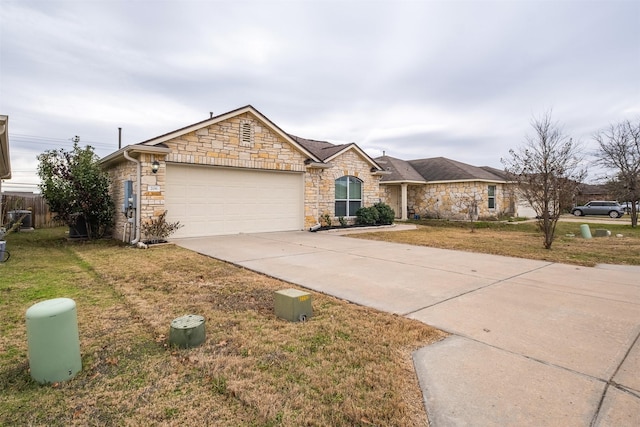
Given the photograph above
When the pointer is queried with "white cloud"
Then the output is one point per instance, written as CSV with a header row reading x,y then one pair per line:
x,y
418,79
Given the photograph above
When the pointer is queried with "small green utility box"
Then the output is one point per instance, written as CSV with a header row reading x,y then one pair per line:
x,y
53,340
187,331
293,305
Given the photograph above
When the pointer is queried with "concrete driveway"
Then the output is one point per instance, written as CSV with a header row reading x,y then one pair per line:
x,y
533,343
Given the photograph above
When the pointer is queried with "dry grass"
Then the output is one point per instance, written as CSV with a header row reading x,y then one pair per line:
x,y
348,365
522,240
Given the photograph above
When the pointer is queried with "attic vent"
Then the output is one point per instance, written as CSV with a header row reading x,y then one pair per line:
x,y
246,134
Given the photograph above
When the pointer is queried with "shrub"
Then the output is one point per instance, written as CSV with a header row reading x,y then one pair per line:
x,y
378,214
156,230
386,214
367,216
325,219
73,184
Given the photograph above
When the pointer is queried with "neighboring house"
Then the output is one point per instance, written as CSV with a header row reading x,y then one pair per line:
x,y
588,192
5,161
238,173
444,188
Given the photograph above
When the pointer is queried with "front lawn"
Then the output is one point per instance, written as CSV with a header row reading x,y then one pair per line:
x,y
348,365
523,240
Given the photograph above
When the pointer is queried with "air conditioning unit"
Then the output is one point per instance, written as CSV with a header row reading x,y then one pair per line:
x,y
293,305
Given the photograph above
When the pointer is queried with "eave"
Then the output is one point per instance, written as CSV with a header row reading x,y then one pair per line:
x,y
450,181
317,165
354,147
403,181
375,172
118,156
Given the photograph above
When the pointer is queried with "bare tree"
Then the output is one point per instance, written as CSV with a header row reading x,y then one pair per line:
x,y
468,206
547,171
619,151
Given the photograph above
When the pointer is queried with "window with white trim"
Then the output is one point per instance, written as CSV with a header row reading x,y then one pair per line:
x,y
492,196
348,196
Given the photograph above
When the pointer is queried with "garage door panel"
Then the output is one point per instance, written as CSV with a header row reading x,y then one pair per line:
x,y
213,201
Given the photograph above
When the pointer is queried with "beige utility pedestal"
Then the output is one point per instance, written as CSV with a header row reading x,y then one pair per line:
x,y
293,305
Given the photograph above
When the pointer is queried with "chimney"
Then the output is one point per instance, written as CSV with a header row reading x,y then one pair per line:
x,y
119,138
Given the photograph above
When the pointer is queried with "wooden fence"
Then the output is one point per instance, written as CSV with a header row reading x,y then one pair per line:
x,y
41,217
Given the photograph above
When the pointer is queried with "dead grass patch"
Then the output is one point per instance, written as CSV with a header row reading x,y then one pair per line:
x,y
348,365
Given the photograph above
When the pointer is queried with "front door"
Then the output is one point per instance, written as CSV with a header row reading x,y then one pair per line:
x,y
395,200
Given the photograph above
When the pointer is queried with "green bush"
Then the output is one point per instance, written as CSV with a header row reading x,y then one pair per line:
x,y
74,185
387,215
378,214
367,216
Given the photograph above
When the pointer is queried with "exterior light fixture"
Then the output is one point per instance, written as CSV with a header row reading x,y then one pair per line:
x,y
155,166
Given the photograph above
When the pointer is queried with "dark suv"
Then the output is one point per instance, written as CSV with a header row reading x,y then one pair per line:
x,y
598,207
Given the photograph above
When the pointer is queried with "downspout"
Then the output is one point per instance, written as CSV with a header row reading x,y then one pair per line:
x,y
138,197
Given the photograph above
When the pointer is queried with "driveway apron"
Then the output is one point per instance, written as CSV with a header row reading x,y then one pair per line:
x,y
532,343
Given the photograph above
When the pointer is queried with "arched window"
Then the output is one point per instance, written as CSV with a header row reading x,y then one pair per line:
x,y
348,196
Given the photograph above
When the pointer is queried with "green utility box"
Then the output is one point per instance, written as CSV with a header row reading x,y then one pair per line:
x,y
53,340
293,305
187,331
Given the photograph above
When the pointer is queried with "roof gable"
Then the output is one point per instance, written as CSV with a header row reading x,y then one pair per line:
x,y
400,170
222,117
322,149
327,151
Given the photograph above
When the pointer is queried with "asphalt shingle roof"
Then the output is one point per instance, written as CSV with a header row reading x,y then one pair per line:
x,y
321,149
498,172
443,169
436,169
400,169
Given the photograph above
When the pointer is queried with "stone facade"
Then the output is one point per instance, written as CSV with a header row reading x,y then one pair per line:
x,y
223,144
453,200
320,186
242,142
151,192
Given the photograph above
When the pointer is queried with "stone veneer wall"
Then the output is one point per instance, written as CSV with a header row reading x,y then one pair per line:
x,y
221,145
151,202
385,196
118,174
320,186
451,200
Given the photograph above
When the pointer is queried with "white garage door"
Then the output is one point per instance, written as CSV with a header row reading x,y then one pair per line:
x,y
212,201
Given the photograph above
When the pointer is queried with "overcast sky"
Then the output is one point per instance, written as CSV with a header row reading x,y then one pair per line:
x,y
417,79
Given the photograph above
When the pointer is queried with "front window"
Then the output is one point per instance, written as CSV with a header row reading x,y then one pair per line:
x,y
492,197
348,196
